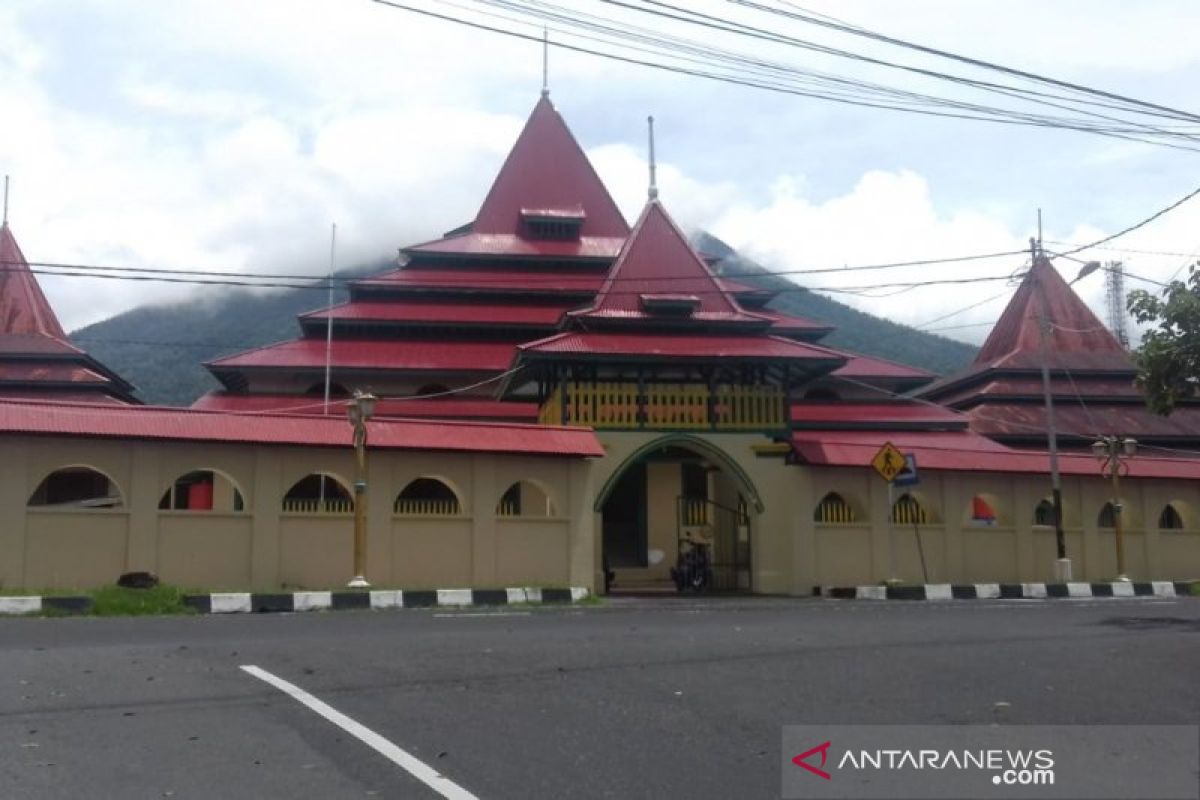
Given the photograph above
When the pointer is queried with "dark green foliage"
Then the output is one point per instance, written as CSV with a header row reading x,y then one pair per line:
x,y
1169,358
160,349
856,331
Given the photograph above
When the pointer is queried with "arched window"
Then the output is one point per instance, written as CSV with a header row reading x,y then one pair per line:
x,y
982,511
834,508
76,487
427,497
1108,516
1170,519
1044,514
525,499
318,494
909,511
202,490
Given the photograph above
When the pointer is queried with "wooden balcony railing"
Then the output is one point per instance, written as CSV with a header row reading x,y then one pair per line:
x,y
666,406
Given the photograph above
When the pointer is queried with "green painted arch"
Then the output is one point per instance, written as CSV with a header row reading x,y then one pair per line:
x,y
688,442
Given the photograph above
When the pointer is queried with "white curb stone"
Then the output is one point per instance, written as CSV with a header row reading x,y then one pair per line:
x,y
20,605
454,597
312,601
230,603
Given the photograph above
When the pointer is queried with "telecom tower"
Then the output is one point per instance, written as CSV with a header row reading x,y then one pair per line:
x,y
1114,286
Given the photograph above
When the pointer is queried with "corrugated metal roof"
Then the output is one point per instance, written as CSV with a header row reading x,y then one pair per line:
x,y
685,346
465,278
443,408
1077,339
370,354
511,244
443,313
149,422
658,260
832,414
860,366
547,168
966,452
50,371
1028,420
24,310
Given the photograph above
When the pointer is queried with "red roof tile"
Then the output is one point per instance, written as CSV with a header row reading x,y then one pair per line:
x,y
375,354
148,422
512,245
825,414
864,367
683,346
49,371
442,313
547,168
1077,340
1028,420
24,310
658,260
444,407
965,451
515,281
785,323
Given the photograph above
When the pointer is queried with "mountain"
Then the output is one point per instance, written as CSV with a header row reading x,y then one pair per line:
x,y
160,349
857,331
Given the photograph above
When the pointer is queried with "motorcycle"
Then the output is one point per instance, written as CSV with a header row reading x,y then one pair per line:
x,y
693,567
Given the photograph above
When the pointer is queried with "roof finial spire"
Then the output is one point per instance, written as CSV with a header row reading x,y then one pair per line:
x,y
545,62
1039,246
653,192
5,222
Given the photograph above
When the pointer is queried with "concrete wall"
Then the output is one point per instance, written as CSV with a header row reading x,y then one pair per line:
x,y
263,547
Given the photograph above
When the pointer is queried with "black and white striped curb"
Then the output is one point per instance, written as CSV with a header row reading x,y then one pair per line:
x,y
248,602
1008,591
36,605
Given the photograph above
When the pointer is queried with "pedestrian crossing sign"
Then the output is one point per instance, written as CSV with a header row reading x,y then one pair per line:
x,y
888,462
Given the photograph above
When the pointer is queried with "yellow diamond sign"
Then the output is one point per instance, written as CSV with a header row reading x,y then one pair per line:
x,y
888,462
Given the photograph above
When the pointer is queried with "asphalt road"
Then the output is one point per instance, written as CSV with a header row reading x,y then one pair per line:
x,y
637,699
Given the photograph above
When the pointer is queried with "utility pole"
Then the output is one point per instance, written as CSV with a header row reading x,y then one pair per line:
x,y
1062,564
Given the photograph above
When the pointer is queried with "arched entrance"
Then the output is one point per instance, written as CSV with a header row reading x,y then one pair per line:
x,y
672,500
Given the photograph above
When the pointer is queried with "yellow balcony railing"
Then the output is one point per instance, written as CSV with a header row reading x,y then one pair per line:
x,y
666,406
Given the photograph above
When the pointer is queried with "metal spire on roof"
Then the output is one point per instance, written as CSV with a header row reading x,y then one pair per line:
x,y
545,62
5,222
653,192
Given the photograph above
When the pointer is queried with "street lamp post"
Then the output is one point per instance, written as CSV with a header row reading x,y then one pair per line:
x,y
1110,450
360,408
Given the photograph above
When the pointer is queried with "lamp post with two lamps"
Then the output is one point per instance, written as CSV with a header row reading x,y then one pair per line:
x,y
1110,450
360,408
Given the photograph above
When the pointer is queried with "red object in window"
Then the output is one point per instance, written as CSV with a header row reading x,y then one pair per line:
x,y
981,511
200,497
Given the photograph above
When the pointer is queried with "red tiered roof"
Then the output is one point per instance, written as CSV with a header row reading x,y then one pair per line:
x,y
658,262
24,310
639,346
36,359
457,407
547,175
1077,338
482,281
442,313
176,424
369,354
965,451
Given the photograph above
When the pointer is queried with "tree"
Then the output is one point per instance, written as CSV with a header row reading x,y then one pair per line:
x,y
1169,358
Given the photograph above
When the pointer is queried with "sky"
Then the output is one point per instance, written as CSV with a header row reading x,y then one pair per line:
x,y
229,135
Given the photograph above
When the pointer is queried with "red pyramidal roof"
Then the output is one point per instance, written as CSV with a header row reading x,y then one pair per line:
x,y
24,310
658,266
547,174
1077,339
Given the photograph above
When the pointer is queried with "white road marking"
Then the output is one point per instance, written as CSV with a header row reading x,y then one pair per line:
x,y
418,769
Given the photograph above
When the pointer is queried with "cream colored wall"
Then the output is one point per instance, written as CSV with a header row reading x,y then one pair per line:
x,y
265,548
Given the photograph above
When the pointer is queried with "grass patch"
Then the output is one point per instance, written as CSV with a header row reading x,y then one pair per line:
x,y
1195,589
117,601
